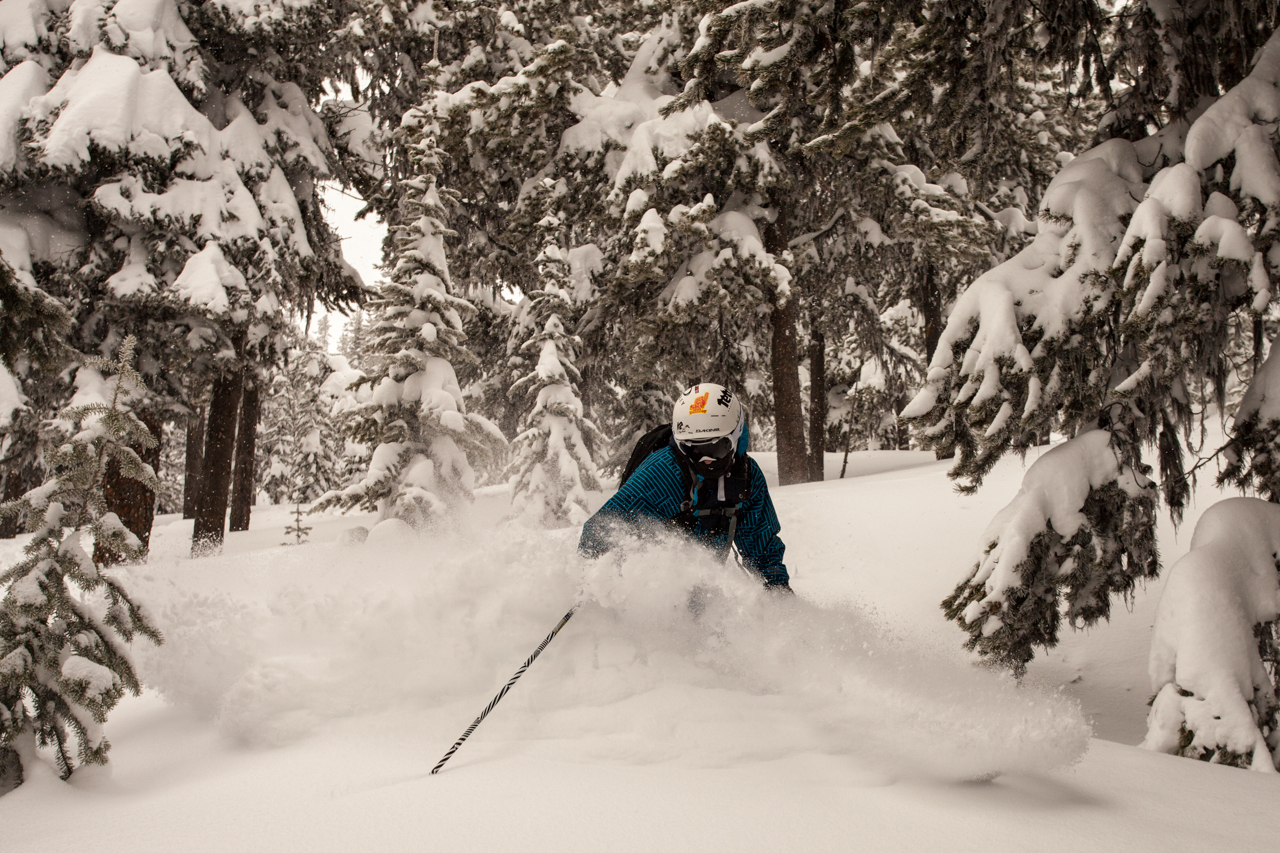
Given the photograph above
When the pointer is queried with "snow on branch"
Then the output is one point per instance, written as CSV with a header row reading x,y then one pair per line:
x,y
1014,334
411,410
1253,457
1080,527
1153,270
65,621
1125,311
1214,647
1236,124
551,467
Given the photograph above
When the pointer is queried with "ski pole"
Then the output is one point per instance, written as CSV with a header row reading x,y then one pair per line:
x,y
503,691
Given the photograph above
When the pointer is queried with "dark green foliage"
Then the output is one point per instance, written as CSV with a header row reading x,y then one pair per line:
x,y
1142,338
646,406
64,622
172,458
33,325
413,415
10,769
123,221
299,448
1253,456
1074,577
1148,64
1029,615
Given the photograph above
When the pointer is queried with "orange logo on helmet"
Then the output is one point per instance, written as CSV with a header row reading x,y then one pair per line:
x,y
699,406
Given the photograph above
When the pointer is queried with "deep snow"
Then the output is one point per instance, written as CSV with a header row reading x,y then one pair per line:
x,y
304,693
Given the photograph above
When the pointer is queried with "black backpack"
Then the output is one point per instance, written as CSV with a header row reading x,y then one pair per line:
x,y
651,442
737,485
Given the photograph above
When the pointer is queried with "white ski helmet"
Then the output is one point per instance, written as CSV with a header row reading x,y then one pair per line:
x,y
708,424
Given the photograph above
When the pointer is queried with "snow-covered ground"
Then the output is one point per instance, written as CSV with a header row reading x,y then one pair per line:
x,y
304,693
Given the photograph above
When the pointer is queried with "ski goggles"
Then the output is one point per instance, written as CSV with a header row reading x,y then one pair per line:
x,y
716,448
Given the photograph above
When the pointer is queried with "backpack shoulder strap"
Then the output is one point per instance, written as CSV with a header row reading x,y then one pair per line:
x,y
738,483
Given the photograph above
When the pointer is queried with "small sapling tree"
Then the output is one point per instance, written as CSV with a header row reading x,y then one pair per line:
x,y
297,529
64,621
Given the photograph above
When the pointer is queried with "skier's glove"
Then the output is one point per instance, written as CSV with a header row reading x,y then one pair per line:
x,y
780,588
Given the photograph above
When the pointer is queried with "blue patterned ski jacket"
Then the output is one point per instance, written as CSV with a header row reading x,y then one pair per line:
x,y
656,490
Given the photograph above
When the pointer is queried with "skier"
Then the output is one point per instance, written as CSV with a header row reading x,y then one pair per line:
x,y
695,475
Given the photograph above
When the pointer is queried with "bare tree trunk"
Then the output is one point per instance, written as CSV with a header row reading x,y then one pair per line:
x,y
788,409
1258,336
848,444
930,304
817,407
788,412
215,473
134,503
246,445
194,458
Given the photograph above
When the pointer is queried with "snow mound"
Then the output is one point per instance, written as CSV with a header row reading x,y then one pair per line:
x,y
1213,694
670,658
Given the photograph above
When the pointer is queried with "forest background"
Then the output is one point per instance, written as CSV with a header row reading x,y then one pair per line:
x,y
965,225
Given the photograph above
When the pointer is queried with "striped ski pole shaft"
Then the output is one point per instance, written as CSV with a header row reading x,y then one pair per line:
x,y
503,692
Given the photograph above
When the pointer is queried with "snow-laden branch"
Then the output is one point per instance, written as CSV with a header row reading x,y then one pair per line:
x,y
1075,529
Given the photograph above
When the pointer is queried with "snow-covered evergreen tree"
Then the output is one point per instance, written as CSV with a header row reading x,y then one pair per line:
x,y
414,417
300,450
502,121
341,391
30,395
899,207
1152,261
679,281
644,406
552,468
1253,459
354,339
490,334
64,618
552,465
171,155
275,437
738,216
171,470
497,84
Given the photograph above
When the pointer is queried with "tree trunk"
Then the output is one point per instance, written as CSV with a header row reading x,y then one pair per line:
x,y
788,411
246,445
817,407
1258,335
215,472
930,303
133,502
194,458
848,444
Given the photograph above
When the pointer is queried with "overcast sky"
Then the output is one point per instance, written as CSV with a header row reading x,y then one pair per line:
x,y
361,242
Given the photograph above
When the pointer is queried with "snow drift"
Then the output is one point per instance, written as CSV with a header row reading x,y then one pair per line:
x,y
1214,696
